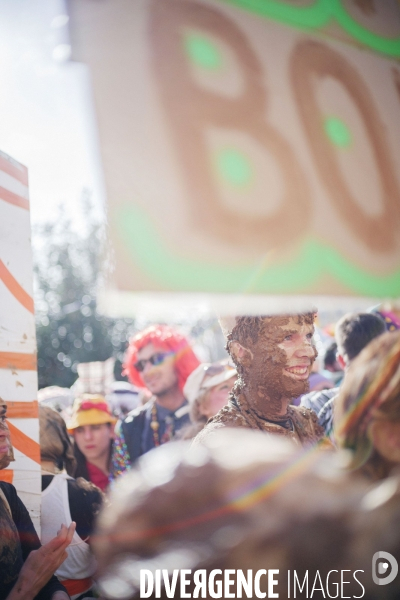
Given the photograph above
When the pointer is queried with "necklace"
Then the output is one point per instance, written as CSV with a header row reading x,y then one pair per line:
x,y
155,425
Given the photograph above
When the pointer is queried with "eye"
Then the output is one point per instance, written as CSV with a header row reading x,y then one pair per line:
x,y
309,336
287,338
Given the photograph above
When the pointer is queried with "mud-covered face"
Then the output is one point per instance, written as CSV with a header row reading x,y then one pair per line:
x,y
283,356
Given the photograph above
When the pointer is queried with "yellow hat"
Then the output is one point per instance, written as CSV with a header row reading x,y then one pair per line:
x,y
90,409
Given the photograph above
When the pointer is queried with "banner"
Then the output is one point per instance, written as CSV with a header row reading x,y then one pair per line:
x,y
18,376
250,147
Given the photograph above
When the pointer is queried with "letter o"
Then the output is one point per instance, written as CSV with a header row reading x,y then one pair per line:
x,y
316,60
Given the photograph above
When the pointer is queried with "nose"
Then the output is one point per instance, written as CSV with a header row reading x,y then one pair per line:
x,y
87,433
307,349
149,368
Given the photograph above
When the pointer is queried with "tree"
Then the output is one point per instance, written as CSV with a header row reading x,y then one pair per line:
x,y
67,273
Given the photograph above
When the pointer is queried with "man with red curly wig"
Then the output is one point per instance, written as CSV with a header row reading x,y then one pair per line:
x,y
159,359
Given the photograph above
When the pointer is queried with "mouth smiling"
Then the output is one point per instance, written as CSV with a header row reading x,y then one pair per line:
x,y
299,372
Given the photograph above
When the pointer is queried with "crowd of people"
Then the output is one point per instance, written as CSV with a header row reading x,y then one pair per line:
x,y
245,466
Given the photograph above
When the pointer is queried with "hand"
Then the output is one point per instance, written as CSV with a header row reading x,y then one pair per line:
x,y
41,564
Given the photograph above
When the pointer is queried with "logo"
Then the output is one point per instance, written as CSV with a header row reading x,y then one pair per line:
x,y
385,564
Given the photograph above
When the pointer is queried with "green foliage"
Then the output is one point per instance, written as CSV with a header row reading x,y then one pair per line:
x,y
67,271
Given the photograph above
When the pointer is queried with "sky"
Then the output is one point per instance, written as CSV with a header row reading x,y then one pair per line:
x,y
47,116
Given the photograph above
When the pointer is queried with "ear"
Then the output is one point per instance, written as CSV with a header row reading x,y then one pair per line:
x,y
241,355
341,361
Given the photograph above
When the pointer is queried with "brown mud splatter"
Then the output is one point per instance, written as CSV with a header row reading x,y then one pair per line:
x,y
262,379
262,394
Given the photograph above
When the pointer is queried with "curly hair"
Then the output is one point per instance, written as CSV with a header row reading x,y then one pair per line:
x,y
168,339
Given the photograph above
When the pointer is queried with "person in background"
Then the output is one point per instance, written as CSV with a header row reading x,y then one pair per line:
x,y
207,390
390,313
123,398
367,409
332,363
159,359
245,501
353,332
92,427
65,499
318,382
58,398
26,567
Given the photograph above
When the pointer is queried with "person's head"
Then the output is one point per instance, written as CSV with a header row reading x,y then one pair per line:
x,y
236,501
390,313
354,331
207,389
6,449
367,410
55,444
331,362
159,359
274,354
92,426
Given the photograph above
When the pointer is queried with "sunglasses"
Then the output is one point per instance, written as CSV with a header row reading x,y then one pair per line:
x,y
155,360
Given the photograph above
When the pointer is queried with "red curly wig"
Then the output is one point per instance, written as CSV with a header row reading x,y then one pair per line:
x,y
168,339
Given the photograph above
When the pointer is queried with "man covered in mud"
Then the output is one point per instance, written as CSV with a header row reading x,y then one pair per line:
x,y
273,356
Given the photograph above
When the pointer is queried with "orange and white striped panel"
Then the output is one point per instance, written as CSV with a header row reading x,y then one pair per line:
x,y
18,375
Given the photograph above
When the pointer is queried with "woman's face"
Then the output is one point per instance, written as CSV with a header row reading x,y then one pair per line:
x,y
94,440
216,398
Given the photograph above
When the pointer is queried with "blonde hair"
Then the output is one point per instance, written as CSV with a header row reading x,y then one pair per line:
x,y
196,416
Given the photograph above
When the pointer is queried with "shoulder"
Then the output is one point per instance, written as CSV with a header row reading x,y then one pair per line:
x,y
210,429
11,496
134,419
228,416
137,413
315,400
8,490
301,413
328,406
306,422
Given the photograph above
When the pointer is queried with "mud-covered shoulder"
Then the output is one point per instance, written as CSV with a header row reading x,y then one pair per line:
x,y
307,423
228,416
210,429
